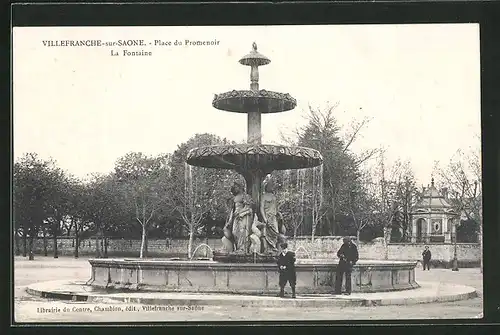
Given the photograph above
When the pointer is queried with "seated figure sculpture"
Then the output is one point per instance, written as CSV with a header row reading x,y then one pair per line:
x,y
239,224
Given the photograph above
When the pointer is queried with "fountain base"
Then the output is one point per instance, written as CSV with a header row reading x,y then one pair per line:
x,y
313,276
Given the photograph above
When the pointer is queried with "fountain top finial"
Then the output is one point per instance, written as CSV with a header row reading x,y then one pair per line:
x,y
254,58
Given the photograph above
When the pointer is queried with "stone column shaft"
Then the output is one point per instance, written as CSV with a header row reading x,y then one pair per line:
x,y
254,78
254,127
414,230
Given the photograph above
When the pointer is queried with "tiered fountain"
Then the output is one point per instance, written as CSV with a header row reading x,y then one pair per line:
x,y
253,160
240,269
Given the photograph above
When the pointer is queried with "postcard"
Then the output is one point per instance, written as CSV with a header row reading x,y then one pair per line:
x,y
246,173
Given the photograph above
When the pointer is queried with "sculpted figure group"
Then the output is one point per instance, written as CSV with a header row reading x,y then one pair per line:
x,y
243,232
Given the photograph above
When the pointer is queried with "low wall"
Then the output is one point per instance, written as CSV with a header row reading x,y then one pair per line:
x,y
126,248
468,254
321,247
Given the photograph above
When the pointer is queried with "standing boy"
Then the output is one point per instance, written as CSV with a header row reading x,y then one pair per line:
x,y
286,268
426,256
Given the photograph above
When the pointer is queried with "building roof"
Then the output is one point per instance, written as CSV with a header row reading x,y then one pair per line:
x,y
433,199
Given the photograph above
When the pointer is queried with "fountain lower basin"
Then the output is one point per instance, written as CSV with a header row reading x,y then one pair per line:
x,y
313,276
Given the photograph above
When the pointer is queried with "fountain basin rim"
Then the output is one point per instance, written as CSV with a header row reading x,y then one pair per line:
x,y
211,276
301,263
238,101
264,156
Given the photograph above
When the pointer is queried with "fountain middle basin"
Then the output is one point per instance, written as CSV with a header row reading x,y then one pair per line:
x,y
313,276
254,156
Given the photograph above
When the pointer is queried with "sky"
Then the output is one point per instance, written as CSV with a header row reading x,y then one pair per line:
x,y
418,84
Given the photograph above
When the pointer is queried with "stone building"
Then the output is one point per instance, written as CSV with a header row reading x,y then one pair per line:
x,y
433,217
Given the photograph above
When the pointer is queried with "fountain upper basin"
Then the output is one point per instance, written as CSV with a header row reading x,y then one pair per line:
x,y
241,101
254,156
313,276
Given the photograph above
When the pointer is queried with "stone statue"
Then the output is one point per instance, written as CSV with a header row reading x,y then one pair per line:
x,y
227,239
269,213
255,237
239,224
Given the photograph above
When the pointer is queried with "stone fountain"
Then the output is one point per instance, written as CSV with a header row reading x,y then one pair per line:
x,y
253,161
243,267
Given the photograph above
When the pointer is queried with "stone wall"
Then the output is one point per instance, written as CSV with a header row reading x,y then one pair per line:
x,y
322,247
127,248
468,254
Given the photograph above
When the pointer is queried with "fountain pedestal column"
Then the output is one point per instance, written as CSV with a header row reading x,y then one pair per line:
x,y
254,179
254,134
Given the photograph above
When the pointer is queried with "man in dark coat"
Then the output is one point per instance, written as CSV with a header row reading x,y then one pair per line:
x,y
426,256
348,255
286,268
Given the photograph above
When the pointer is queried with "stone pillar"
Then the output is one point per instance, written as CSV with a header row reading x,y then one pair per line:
x,y
254,135
254,78
254,179
446,230
429,230
254,127
414,230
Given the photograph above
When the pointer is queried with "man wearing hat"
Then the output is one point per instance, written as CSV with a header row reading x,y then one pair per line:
x,y
348,255
286,268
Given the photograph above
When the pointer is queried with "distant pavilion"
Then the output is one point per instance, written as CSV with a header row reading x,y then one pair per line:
x,y
433,217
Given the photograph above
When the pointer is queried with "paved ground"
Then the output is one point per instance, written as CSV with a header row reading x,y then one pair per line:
x,y
32,309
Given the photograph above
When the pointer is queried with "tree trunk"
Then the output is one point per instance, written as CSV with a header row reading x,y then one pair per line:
x,y
334,217
30,251
358,232
45,252
77,241
143,241
105,246
101,244
68,234
24,242
146,244
190,243
97,246
55,239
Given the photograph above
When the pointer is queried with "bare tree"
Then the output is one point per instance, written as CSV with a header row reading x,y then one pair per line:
x,y
205,195
388,191
292,200
463,177
323,133
143,181
361,206
316,200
